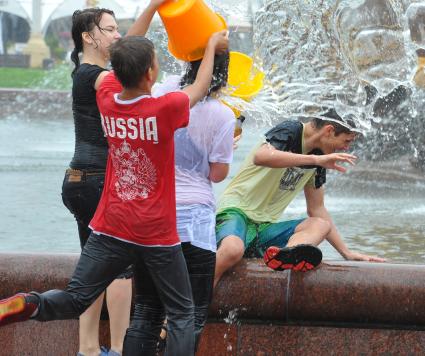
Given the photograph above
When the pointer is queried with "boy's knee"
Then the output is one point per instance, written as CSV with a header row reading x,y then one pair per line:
x,y
232,248
184,314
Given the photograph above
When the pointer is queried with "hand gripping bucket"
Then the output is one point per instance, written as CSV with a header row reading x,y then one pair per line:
x,y
189,25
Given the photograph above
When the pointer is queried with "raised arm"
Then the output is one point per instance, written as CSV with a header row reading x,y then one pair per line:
x,y
141,25
218,43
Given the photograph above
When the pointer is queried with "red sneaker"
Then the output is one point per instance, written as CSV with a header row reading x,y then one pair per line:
x,y
297,258
16,308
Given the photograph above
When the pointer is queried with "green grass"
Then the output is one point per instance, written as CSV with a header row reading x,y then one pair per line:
x,y
19,77
58,78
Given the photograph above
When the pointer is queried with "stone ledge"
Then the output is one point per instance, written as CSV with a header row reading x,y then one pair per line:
x,y
338,292
35,103
346,307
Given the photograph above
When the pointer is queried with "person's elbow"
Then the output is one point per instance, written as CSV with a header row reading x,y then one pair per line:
x,y
217,177
315,210
310,212
218,172
260,158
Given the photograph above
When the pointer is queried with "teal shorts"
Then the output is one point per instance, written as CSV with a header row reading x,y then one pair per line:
x,y
257,237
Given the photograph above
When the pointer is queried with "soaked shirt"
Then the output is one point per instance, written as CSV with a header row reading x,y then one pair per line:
x,y
264,193
91,147
207,139
138,202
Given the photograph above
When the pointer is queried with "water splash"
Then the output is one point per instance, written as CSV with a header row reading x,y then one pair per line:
x,y
358,56
325,53
372,41
232,317
58,78
316,53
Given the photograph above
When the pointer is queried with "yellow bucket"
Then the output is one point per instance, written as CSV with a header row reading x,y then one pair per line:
x,y
189,25
245,80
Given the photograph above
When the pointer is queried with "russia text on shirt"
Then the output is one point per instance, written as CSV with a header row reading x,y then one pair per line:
x,y
133,129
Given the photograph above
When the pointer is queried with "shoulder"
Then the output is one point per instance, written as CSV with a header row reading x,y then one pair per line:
x,y
286,136
88,70
286,129
219,112
290,126
175,100
175,97
223,114
87,75
110,82
169,84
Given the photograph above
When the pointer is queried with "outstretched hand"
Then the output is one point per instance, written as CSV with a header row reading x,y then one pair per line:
x,y
331,161
220,41
355,256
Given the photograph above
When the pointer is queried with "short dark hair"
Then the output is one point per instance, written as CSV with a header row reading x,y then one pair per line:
x,y
219,76
131,58
347,125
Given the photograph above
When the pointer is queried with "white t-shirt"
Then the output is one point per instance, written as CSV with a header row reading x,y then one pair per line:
x,y
207,139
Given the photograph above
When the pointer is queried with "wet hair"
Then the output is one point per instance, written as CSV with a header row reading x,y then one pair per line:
x,y
220,73
131,58
347,126
84,21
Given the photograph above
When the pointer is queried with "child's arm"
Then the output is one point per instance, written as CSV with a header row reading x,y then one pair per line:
x,y
315,201
269,156
141,26
218,43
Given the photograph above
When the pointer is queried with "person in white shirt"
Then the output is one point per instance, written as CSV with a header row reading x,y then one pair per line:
x,y
203,152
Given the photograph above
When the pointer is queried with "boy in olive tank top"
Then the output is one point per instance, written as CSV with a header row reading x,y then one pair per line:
x,y
292,157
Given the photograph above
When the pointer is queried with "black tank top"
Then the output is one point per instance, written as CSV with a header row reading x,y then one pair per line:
x,y
91,147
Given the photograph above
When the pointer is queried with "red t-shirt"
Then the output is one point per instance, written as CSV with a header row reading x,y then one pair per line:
x,y
138,202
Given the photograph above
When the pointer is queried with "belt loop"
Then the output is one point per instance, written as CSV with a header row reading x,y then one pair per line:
x,y
75,175
83,173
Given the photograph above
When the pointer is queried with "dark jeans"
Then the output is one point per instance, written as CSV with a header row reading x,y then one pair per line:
x,y
81,192
148,315
160,276
201,267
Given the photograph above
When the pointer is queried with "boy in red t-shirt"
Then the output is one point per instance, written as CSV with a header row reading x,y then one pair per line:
x,y
135,222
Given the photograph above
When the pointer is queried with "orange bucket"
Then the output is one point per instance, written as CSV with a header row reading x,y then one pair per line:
x,y
189,25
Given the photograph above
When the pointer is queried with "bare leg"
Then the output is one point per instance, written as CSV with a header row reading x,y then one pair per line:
x,y
89,329
118,299
229,253
311,231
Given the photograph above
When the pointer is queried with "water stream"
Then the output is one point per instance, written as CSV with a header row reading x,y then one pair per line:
x,y
353,55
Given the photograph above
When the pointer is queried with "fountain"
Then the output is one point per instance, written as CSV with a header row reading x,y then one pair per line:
x,y
359,56
362,56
